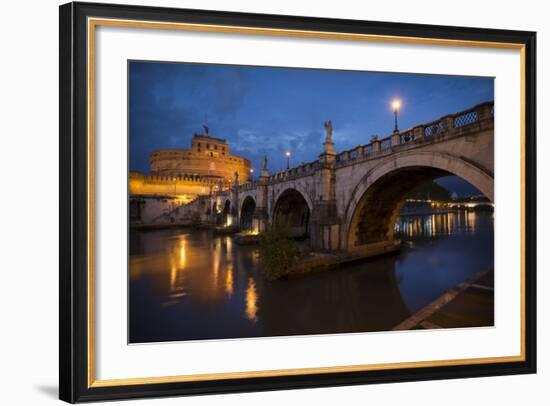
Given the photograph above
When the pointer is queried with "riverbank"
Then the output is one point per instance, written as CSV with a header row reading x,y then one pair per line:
x,y
470,304
318,262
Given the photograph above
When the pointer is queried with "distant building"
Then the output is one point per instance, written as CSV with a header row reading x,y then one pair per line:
x,y
187,173
178,176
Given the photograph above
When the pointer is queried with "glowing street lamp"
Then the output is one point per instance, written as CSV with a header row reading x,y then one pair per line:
x,y
395,105
287,160
251,173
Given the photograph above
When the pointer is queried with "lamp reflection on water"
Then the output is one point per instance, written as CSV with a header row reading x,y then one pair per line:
x,y
251,301
183,257
229,280
197,284
178,262
434,225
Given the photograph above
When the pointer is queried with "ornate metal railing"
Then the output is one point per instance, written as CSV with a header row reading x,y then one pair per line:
x,y
433,129
467,118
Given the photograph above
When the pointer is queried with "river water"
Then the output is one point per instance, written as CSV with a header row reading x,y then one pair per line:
x,y
188,284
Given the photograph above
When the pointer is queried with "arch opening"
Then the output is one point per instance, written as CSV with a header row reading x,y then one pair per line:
x,y
293,210
376,214
247,213
226,218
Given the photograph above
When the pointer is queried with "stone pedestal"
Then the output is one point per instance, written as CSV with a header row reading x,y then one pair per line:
x,y
418,133
376,146
483,112
395,139
329,148
448,123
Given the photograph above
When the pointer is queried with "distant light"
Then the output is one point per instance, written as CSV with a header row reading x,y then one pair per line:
x,y
396,104
251,170
287,153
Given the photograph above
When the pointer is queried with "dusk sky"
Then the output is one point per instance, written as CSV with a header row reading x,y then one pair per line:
x,y
267,111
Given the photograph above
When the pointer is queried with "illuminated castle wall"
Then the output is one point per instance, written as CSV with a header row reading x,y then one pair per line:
x,y
187,173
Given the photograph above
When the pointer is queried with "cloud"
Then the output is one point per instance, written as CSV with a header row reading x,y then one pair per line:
x,y
267,111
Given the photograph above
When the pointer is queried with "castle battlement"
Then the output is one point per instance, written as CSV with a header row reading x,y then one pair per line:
x,y
190,172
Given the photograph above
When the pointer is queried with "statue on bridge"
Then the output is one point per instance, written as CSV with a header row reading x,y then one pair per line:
x,y
264,165
328,131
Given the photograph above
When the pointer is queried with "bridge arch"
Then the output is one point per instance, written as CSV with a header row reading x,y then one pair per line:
x,y
378,197
248,206
295,207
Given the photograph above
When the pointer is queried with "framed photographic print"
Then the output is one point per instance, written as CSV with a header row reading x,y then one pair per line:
x,y
253,202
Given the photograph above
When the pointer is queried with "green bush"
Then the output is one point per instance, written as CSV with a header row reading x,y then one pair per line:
x,y
277,251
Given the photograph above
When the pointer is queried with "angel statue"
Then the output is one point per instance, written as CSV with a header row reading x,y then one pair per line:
x,y
264,165
328,129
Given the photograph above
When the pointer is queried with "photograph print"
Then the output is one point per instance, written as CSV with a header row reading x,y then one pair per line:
x,y
273,201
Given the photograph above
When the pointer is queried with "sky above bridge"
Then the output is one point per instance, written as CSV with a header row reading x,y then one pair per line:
x,y
269,111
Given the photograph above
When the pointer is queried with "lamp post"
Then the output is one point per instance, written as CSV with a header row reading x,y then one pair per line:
x,y
251,173
287,160
396,105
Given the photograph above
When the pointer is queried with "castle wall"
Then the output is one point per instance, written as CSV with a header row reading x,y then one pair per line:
x,y
185,187
207,157
188,173
152,211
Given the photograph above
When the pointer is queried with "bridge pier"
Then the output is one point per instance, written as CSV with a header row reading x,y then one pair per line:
x,y
235,220
325,227
260,219
325,224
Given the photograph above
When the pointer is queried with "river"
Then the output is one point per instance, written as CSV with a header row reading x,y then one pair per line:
x,y
186,284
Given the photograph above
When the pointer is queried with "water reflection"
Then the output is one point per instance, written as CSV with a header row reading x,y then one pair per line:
x,y
193,285
415,227
229,281
251,301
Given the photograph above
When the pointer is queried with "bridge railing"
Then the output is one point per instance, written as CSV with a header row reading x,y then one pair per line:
x,y
450,125
299,171
445,126
249,185
385,143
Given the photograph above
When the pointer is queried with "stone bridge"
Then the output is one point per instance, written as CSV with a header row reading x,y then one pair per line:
x,y
349,201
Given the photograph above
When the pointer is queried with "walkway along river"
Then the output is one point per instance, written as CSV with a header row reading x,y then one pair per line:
x,y
186,284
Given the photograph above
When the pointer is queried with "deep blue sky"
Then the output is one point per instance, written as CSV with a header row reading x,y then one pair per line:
x,y
267,111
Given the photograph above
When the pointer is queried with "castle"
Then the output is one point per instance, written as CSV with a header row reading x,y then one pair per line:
x,y
183,174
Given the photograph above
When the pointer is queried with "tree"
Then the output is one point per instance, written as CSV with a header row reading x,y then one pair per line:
x,y
277,251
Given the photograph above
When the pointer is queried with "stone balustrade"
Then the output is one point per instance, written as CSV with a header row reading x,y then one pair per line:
x,y
448,125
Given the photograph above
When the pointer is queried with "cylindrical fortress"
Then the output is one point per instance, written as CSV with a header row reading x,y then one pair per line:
x,y
208,157
190,172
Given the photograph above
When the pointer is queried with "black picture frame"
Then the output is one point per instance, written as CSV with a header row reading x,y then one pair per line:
x,y
74,199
